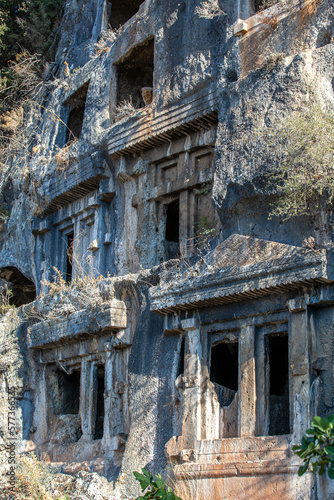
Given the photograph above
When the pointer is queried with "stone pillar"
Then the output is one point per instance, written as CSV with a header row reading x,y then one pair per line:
x,y
191,420
247,385
262,385
299,385
184,221
109,395
40,420
299,368
77,264
88,394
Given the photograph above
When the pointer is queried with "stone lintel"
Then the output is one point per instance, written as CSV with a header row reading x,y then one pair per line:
x,y
243,268
172,324
107,190
324,295
240,28
81,177
79,325
297,305
163,190
277,11
150,127
229,453
190,324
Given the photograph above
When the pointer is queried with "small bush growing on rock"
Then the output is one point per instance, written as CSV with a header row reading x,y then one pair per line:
x,y
209,9
5,296
317,447
265,4
124,109
155,488
304,147
32,479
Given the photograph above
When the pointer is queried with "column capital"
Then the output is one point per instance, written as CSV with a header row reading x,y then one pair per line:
x,y
190,324
297,305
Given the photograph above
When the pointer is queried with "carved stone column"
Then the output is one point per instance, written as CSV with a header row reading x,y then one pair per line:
x,y
299,368
191,425
299,379
109,395
247,385
40,421
88,394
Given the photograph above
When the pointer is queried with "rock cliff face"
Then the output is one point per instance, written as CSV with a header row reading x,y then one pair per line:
x,y
176,325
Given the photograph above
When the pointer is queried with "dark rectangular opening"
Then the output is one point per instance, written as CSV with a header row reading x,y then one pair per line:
x,y
69,257
279,413
172,229
173,221
180,369
76,103
99,416
121,11
135,78
68,393
224,371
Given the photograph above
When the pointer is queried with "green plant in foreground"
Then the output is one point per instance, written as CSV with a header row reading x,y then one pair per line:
x,y
317,447
156,487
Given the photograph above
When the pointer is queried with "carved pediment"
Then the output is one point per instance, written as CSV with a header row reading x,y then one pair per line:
x,y
241,268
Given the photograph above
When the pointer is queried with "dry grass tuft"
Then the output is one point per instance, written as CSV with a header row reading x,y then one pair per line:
x,y
33,480
63,298
5,297
309,9
209,9
63,157
265,4
124,109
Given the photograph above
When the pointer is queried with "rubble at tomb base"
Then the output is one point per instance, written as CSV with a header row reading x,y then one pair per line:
x,y
163,318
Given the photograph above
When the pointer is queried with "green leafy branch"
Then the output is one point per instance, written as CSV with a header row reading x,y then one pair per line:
x,y
155,488
317,447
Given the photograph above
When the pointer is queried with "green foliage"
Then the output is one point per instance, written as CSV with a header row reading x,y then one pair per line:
x,y
4,214
5,299
39,21
154,487
317,447
304,146
30,25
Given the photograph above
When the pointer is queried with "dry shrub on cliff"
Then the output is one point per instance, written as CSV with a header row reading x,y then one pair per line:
x,y
63,157
106,39
308,9
63,298
265,4
20,88
124,109
209,9
304,147
5,297
32,479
